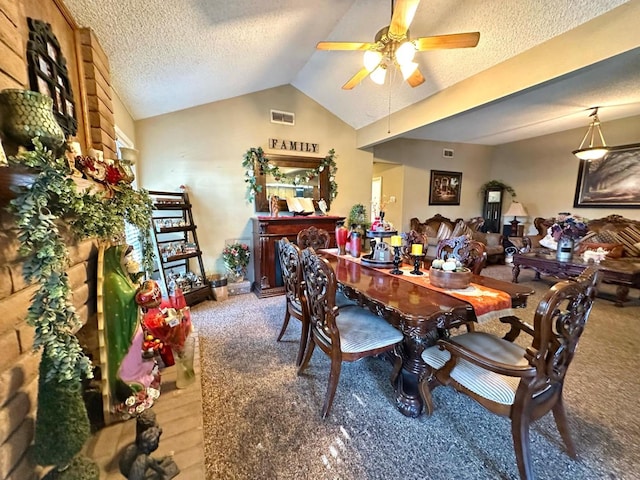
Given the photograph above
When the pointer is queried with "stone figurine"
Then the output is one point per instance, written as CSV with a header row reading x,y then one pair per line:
x,y
136,462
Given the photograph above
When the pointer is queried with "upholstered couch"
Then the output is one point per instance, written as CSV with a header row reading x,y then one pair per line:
x,y
438,228
615,233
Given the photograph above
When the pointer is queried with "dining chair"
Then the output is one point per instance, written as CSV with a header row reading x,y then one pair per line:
x,y
346,334
289,255
313,237
469,252
511,381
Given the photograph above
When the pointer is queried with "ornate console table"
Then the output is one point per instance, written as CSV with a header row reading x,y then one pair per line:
x,y
266,233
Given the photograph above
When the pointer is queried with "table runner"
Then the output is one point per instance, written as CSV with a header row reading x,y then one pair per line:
x,y
488,303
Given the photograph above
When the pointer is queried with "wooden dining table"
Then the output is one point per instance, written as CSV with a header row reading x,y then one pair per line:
x,y
421,313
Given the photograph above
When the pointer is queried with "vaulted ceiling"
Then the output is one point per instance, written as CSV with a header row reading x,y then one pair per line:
x,y
538,67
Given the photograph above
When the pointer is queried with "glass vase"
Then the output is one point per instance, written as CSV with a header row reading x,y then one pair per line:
x,y
185,374
236,274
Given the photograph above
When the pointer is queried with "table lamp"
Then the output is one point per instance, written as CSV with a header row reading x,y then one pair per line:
x,y
515,210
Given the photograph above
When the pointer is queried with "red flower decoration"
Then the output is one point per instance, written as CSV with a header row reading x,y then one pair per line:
x,y
113,175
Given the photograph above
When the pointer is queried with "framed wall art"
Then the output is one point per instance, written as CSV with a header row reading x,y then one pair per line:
x,y
444,188
611,182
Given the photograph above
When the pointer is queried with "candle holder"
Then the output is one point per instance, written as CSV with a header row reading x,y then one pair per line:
x,y
417,260
396,261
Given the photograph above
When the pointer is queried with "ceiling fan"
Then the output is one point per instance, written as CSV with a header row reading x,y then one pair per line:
x,y
393,46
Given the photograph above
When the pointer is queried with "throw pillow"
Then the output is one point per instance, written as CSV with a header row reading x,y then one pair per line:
x,y
615,249
493,239
444,232
630,237
460,229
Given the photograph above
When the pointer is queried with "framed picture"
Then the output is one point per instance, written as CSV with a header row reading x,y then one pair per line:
x,y
611,182
445,187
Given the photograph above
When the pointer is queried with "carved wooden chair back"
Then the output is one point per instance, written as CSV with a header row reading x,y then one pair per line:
x,y
469,252
410,238
345,334
314,237
289,256
522,384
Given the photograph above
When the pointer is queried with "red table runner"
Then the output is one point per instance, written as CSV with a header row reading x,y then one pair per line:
x,y
488,303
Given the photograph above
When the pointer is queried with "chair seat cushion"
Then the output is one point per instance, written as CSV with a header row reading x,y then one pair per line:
x,y
343,301
490,385
361,330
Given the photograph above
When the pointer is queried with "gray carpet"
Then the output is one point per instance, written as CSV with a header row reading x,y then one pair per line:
x,y
262,421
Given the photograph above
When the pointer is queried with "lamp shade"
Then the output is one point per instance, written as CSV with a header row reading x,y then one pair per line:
x,y
516,209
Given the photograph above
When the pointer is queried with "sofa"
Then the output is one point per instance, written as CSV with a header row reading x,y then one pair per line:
x,y
614,233
439,228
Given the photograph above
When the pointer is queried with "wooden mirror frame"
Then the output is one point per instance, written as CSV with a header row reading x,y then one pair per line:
x,y
308,163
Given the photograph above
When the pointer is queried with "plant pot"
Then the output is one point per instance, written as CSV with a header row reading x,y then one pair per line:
x,y
27,115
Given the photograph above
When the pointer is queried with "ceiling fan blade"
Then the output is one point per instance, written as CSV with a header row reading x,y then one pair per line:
x,y
456,40
403,13
344,46
416,78
356,79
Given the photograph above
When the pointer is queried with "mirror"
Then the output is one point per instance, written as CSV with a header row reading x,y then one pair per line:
x,y
316,188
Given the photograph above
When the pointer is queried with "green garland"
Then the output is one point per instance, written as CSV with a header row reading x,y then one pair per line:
x,y
39,207
254,155
497,184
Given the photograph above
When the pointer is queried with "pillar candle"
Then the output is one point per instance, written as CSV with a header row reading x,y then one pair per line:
x,y
416,249
396,241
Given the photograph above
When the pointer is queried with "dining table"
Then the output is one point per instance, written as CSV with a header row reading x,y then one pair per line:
x,y
421,311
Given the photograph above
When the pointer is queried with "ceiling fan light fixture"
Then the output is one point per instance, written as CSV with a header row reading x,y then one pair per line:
x,y
405,53
407,69
379,74
593,151
371,60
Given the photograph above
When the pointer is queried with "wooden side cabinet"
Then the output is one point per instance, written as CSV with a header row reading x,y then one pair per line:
x,y
267,231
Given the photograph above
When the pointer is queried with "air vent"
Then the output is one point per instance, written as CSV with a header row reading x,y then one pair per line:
x,y
447,152
284,118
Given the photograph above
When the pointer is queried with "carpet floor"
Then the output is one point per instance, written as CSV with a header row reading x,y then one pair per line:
x,y
262,420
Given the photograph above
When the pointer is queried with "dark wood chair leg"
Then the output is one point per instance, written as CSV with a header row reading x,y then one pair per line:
x,y
520,433
285,324
334,376
425,393
311,345
560,417
304,339
397,367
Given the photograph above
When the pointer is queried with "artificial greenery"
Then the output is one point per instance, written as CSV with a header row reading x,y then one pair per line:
x,y
256,155
497,184
52,199
358,217
53,196
62,425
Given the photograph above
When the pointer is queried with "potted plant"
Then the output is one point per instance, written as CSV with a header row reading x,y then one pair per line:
x,y
236,259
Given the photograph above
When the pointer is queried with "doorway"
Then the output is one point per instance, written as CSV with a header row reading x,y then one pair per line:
x,y
376,197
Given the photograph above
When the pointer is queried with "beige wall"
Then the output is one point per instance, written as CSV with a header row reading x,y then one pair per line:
x,y
123,119
392,186
419,157
203,147
544,173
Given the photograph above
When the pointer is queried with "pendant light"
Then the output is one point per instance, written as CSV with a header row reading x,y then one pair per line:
x,y
593,151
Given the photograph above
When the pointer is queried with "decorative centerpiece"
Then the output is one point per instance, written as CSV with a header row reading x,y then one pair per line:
x,y
449,274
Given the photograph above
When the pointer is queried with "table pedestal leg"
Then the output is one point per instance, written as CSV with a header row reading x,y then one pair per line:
x,y
515,271
622,293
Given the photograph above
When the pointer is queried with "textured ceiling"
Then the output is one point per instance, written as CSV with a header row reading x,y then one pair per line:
x,y
170,55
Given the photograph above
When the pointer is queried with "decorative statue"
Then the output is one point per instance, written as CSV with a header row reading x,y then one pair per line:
x,y
274,209
133,380
136,462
